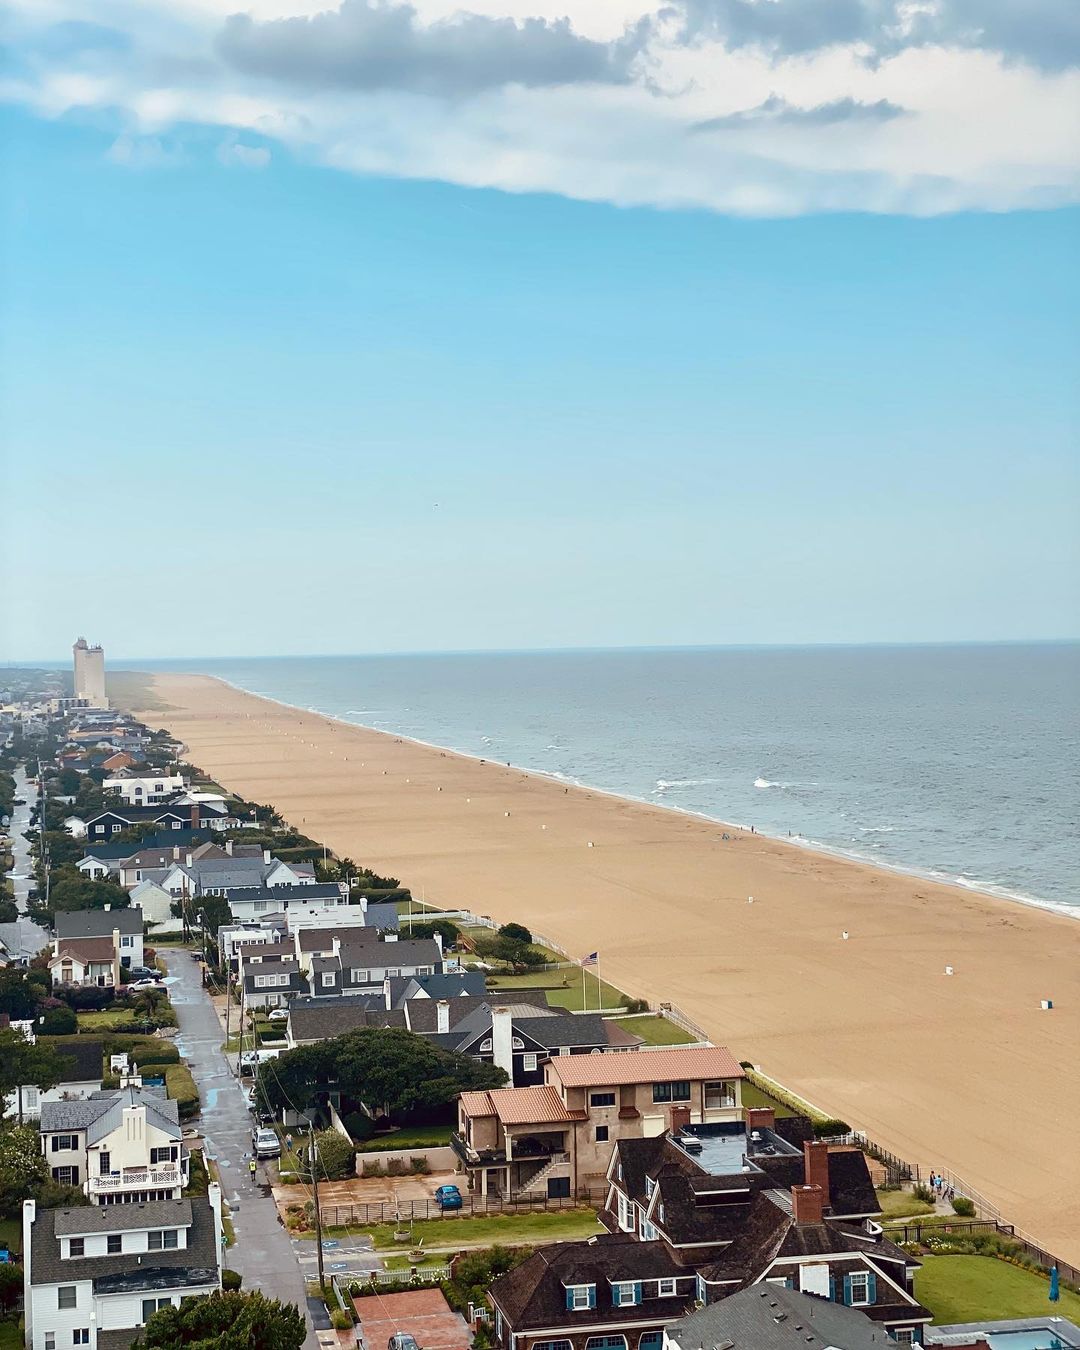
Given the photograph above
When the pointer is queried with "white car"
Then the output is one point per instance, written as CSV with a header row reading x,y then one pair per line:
x,y
278,1015
145,984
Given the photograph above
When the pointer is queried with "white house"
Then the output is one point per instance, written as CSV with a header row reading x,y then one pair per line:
x,y
314,898
121,1147
96,1270
155,902
81,1078
145,790
77,925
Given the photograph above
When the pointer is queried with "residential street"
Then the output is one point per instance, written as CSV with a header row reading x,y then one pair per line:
x,y
264,1253
24,938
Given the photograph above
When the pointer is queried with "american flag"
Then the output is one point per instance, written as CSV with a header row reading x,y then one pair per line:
x,y
591,959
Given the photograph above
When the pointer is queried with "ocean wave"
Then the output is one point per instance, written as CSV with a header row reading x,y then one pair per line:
x,y
664,784
768,783
879,829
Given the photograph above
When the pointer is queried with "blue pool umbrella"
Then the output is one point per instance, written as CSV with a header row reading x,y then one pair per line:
x,y
1055,1292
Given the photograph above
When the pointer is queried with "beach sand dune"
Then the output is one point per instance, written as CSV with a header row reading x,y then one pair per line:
x,y
963,1071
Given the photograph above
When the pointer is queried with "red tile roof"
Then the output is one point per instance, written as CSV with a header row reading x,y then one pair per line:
x,y
518,1106
644,1066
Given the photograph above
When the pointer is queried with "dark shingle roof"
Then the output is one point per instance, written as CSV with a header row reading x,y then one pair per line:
x,y
769,1317
92,923
449,984
102,1114
318,1019
84,1060
850,1189
200,1257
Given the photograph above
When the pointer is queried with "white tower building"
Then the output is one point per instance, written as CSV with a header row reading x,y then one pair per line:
x,y
90,673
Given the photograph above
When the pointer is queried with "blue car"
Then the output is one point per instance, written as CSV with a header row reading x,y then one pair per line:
x,y
448,1197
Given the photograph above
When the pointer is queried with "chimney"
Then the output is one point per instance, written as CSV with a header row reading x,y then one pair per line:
x,y
266,855
176,852
194,816
189,860
386,991
502,1041
816,1167
442,1013
759,1118
680,1118
438,941
808,1203
213,1194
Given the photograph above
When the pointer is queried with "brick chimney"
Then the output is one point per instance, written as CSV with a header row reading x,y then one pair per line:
x,y
680,1118
194,815
816,1166
808,1203
759,1118
442,1015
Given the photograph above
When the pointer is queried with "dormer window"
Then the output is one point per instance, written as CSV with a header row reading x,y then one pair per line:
x,y
580,1296
625,1293
650,1186
518,1043
485,1045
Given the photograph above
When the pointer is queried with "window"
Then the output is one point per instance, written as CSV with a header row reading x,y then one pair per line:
x,y
115,1243
646,1230
116,828
76,1246
358,976
858,1288
671,1092
665,1288
660,1211
601,1134
176,824
719,1096
702,1292
50,1340
328,979
606,1343
902,1336
104,1163
80,1336
66,1296
650,1340
580,1296
162,1155
164,1239
66,1176
625,1293
650,1186
627,1214
528,1064
601,1099
552,1345
126,942
151,1305
65,1143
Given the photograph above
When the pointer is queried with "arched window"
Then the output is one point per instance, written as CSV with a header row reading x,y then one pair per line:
x,y
650,1340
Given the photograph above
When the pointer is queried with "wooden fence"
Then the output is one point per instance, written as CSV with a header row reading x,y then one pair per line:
x,y
402,1212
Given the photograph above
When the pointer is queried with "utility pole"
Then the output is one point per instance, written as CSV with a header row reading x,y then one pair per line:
x,y
240,1052
228,1000
314,1157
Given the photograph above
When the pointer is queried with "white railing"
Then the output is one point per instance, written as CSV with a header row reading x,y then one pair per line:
x,y
133,1179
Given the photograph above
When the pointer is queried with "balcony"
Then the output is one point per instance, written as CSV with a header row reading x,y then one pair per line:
x,y
137,1179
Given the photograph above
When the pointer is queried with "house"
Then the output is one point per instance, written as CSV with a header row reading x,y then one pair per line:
x,y
556,1138
157,858
127,924
355,960
271,928
271,982
402,989
155,902
212,875
606,1293
693,1188
120,1147
319,1019
86,961
93,1276
251,901
143,789
81,1077
775,1318
116,819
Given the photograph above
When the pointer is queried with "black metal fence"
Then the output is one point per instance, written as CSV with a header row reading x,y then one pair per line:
x,y
916,1230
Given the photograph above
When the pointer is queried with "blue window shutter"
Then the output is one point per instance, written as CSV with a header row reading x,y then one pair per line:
x,y
637,1291
832,1288
592,1295
847,1289
871,1288
569,1298
616,1295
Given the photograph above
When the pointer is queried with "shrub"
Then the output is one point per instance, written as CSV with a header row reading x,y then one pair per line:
x,y
340,1320
181,1088
155,1052
396,1167
198,1178
924,1193
635,1005
419,1166
88,998
59,1021
231,1279
372,1167
337,1157
963,1206
830,1125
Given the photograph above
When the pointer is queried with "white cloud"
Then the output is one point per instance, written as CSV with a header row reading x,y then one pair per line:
x,y
608,106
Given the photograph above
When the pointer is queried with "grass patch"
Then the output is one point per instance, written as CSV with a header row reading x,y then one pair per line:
x,y
133,691
901,1205
11,1336
420,1136
978,1288
108,1019
180,1086
11,1234
655,1030
560,1225
752,1095
403,1263
563,988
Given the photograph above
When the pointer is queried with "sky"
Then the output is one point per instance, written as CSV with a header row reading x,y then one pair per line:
x,y
394,327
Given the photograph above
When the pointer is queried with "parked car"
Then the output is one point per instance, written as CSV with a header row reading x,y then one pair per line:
x,y
265,1144
155,983
144,973
278,1015
448,1197
402,1341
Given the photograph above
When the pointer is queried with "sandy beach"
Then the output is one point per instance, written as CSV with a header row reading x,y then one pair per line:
x,y
963,1071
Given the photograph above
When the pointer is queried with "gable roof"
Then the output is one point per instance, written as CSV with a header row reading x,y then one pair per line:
x,y
770,1317
540,1105
318,1019
97,923
448,984
654,1066
97,949
99,1116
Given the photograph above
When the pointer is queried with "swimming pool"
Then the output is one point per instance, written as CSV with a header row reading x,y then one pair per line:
x,y
1043,1339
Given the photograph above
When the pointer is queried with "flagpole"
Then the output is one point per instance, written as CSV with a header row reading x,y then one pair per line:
x,y
599,995
584,999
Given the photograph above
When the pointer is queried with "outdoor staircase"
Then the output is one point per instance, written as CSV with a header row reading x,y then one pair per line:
x,y
538,1180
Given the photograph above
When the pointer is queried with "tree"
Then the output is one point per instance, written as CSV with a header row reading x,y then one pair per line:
x,y
11,1287
390,1070
70,890
58,1021
227,1321
9,911
69,781
449,932
26,1064
517,954
337,1157
516,932
19,996
23,1168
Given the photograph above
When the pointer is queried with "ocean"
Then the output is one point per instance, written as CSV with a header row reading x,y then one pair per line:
x,y
958,762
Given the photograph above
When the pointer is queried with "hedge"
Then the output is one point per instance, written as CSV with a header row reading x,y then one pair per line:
x,y
181,1088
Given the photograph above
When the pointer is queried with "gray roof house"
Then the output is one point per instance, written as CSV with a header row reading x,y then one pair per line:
x,y
770,1317
94,1276
84,923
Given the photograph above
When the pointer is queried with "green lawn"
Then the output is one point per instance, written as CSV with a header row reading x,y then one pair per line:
x,y
11,1338
563,988
655,1030
560,1225
752,1095
423,1136
11,1234
901,1205
970,1288
106,1020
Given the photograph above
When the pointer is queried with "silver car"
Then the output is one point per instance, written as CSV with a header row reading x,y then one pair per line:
x,y
265,1144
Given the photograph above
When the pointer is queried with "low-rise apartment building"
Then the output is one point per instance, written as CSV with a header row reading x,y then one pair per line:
x,y
556,1138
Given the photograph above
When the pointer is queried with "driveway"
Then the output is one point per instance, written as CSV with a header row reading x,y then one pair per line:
x,y
264,1253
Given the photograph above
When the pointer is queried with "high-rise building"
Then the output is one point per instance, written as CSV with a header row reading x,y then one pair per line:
x,y
90,673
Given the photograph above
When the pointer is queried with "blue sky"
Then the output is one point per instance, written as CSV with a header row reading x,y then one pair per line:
x,y
256,402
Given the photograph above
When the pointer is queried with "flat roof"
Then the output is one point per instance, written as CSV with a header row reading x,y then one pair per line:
x,y
645,1066
726,1150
